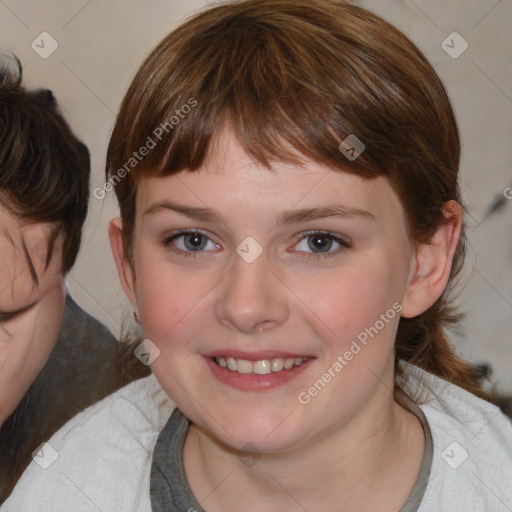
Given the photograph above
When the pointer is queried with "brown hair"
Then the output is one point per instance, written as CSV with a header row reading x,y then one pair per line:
x,y
44,168
292,79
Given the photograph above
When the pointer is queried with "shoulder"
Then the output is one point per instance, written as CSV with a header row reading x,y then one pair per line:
x,y
472,460
108,446
86,364
84,344
81,327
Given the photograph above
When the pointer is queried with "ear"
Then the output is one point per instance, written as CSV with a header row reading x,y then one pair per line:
x,y
432,263
124,267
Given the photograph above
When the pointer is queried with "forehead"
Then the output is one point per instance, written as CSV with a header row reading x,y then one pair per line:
x,y
231,181
25,274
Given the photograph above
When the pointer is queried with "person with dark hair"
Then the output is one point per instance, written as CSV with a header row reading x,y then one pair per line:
x,y
55,359
290,230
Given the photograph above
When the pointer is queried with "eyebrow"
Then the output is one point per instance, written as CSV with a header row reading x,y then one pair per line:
x,y
284,218
322,212
196,213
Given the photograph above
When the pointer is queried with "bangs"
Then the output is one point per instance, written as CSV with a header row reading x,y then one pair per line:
x,y
287,87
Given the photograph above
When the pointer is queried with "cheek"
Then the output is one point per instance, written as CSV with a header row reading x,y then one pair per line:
x,y
349,300
354,316
24,352
169,299
356,320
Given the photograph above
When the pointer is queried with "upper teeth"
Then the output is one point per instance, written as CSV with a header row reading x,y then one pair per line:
x,y
261,367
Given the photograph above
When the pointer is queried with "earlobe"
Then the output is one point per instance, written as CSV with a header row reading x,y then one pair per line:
x,y
123,265
432,263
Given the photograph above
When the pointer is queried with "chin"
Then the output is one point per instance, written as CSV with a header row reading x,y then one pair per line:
x,y
254,432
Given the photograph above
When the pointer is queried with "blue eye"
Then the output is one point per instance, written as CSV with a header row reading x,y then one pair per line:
x,y
187,242
321,244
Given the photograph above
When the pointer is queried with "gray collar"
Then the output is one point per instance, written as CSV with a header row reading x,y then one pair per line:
x,y
170,491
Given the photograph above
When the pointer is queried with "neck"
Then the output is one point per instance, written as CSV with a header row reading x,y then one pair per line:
x,y
371,463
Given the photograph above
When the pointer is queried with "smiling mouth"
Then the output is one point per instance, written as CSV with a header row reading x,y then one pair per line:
x,y
261,367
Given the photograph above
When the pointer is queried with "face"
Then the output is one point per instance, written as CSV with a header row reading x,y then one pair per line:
x,y
31,305
293,279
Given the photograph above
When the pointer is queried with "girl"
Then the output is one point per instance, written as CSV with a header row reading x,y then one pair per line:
x,y
290,226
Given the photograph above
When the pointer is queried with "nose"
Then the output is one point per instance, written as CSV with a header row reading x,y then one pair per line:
x,y
252,299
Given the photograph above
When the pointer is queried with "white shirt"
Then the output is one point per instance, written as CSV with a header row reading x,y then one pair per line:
x,y
104,454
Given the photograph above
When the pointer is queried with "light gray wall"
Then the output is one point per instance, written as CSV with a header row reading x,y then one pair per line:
x,y
101,43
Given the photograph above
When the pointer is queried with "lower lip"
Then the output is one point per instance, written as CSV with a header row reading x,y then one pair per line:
x,y
254,382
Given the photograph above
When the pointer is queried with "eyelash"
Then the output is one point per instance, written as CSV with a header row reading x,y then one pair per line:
x,y
167,242
328,235
6,318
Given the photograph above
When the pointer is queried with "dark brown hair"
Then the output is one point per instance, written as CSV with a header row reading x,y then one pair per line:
x,y
293,79
44,168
